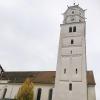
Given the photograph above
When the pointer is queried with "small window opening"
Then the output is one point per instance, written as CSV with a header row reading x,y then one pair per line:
x,y
39,94
5,90
74,29
72,41
71,51
70,86
72,12
76,71
50,94
65,71
70,29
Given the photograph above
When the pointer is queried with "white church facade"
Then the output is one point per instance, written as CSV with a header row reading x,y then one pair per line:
x,y
71,80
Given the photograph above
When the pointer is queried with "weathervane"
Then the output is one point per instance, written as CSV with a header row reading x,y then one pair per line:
x,y
74,2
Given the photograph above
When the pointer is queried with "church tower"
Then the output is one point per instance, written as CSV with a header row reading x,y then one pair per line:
x,y
70,82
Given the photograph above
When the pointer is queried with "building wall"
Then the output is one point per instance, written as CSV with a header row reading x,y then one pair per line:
x,y
70,58
91,93
12,90
76,11
63,92
45,91
2,86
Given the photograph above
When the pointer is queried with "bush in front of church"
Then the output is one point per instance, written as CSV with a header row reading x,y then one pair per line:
x,y
26,90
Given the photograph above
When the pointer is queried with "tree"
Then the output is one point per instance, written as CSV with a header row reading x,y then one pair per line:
x,y
26,90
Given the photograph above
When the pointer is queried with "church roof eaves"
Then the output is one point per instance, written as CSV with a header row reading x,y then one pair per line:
x,y
90,78
41,77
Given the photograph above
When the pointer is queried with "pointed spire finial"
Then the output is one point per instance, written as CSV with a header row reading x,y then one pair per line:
x,y
67,6
74,2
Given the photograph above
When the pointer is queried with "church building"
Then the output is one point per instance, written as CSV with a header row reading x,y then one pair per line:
x,y
71,80
71,74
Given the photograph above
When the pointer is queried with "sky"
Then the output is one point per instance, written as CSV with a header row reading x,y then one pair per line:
x,y
30,29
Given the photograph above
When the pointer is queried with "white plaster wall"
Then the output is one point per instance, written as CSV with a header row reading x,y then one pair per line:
x,y
62,92
80,29
91,93
65,64
76,60
67,41
76,64
77,11
75,51
76,18
2,87
45,91
12,90
78,14
4,81
70,64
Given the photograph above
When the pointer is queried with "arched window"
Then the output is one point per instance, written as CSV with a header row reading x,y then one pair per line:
x,y
39,94
70,87
74,29
70,29
50,94
72,41
5,90
76,71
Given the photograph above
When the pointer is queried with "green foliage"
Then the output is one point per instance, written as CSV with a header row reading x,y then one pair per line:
x,y
26,90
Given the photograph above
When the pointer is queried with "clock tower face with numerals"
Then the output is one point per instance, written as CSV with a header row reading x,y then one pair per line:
x,y
71,64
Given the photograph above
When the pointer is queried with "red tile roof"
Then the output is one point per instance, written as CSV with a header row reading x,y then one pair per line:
x,y
43,77
90,78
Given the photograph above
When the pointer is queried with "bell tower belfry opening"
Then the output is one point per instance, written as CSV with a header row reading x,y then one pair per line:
x,y
72,84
